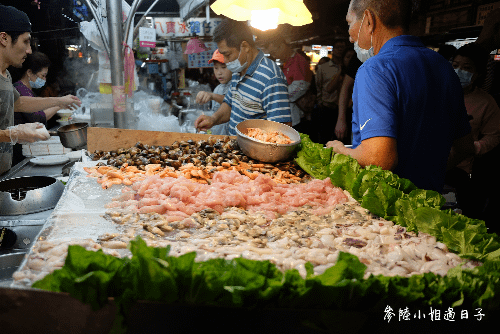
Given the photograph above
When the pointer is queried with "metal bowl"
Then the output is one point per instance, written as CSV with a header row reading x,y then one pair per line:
x,y
29,194
262,151
73,135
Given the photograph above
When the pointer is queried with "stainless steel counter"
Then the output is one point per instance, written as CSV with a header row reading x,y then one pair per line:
x,y
26,168
11,259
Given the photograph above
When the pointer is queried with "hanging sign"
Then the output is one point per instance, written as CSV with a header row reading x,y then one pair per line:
x,y
147,37
317,47
175,27
200,60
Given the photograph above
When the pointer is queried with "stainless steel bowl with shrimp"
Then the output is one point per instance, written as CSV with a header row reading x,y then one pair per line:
x,y
273,144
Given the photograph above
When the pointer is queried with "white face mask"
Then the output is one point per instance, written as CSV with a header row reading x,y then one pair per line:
x,y
235,65
363,55
464,76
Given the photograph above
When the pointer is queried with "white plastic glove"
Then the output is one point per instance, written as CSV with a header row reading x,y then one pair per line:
x,y
27,133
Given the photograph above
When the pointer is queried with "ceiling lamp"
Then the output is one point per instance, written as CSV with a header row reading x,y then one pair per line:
x,y
264,14
195,46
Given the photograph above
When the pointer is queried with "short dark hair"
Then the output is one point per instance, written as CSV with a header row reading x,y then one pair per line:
x,y
234,33
392,13
14,35
478,55
35,62
339,40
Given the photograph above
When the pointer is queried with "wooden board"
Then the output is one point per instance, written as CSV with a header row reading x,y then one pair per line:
x,y
110,139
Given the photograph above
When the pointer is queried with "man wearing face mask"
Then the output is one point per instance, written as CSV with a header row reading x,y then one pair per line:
x,y
408,105
258,89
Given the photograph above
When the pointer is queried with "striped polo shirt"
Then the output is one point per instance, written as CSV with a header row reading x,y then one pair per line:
x,y
261,93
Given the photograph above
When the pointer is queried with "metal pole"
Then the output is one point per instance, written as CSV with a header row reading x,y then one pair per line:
x,y
130,18
136,29
114,10
99,27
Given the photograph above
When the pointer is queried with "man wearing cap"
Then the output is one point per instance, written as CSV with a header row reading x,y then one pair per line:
x,y
258,89
15,38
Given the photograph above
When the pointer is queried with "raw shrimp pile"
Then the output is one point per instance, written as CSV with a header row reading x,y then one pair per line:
x,y
179,198
275,137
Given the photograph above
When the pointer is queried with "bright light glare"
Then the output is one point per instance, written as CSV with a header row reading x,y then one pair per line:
x,y
265,19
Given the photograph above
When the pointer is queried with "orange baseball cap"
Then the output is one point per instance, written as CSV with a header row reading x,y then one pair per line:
x,y
217,56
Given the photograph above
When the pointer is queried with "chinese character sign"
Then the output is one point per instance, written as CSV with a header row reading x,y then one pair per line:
x,y
147,37
197,60
175,27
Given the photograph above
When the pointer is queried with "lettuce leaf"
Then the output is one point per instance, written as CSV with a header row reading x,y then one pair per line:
x,y
313,158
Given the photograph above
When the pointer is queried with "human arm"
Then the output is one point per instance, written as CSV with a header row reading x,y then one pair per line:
x,y
50,112
24,133
319,85
344,98
301,76
378,151
205,97
297,89
335,83
461,149
222,115
489,133
30,104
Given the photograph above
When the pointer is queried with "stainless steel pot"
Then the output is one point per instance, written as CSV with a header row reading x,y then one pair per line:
x,y
29,194
73,135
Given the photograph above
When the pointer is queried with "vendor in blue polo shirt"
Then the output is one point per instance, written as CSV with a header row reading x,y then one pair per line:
x,y
408,105
258,87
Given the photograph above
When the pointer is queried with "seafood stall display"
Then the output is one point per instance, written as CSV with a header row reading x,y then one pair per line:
x,y
206,197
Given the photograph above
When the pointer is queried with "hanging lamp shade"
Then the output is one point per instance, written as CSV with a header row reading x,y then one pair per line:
x,y
195,46
293,12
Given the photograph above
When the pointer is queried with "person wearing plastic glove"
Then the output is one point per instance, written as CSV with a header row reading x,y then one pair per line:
x,y
15,38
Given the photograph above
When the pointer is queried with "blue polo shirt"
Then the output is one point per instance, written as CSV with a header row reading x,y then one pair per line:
x,y
261,93
411,93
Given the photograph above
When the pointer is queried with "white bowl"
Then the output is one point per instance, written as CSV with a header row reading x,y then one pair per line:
x,y
65,112
63,123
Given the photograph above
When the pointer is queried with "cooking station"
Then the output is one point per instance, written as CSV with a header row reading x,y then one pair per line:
x,y
28,194
23,215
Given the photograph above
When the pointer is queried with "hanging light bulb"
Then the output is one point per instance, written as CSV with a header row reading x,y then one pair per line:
x,y
293,12
265,19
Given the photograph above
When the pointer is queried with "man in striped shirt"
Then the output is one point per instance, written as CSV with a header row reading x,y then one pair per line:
x,y
258,89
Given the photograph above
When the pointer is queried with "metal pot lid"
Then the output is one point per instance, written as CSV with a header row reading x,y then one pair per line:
x,y
29,194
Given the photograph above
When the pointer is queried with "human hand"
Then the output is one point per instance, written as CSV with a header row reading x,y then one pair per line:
x,y
203,97
204,122
28,133
336,145
340,129
69,102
